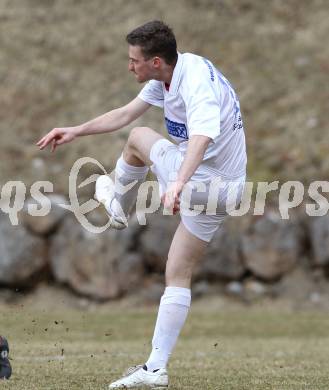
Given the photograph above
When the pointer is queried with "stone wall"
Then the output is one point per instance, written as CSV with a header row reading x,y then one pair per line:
x,y
249,255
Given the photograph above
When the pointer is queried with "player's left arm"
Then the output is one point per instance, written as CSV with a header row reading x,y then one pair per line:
x,y
196,149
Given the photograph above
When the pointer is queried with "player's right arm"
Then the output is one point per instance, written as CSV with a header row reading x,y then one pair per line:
x,y
106,123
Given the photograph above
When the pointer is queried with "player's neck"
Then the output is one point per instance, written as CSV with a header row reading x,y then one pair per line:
x,y
167,73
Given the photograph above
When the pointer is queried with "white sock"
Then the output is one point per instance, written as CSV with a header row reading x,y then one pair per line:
x,y
173,310
127,181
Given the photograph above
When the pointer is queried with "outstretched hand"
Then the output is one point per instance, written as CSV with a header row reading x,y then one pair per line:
x,y
170,199
57,136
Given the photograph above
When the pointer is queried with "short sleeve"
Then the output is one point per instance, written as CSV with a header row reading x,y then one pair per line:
x,y
152,93
202,102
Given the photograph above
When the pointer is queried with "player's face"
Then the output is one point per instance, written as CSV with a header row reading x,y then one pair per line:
x,y
142,68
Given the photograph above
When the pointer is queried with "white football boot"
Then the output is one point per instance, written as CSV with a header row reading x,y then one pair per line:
x,y
138,377
104,193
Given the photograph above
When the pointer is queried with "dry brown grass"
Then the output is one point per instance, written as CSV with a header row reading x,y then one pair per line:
x,y
62,63
220,348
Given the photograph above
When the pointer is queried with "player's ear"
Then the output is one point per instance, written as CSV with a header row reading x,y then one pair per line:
x,y
156,62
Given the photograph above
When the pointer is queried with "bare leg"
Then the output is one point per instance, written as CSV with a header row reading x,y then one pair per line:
x,y
131,170
138,147
185,252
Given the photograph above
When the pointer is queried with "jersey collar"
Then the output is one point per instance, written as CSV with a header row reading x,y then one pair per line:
x,y
177,74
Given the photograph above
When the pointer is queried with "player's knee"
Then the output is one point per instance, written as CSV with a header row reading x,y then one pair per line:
x,y
136,135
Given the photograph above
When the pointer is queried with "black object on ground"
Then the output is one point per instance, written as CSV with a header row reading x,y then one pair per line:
x,y
5,367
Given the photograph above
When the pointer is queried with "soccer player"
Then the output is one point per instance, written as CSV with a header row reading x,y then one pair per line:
x,y
203,119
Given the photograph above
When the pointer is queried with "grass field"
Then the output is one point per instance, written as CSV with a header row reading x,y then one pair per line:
x,y
236,348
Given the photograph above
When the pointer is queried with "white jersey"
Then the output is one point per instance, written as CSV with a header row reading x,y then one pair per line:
x,y
201,101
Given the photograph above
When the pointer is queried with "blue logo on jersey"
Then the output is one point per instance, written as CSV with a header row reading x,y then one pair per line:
x,y
211,71
237,113
176,129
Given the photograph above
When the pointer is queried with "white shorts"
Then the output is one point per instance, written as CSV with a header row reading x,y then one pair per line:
x,y
167,159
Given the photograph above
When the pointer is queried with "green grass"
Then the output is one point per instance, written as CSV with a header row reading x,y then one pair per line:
x,y
238,348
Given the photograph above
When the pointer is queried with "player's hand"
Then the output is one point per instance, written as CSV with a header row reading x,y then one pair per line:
x,y
171,199
58,136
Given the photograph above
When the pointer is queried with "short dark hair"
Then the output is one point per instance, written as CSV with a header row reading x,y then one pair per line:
x,y
155,39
